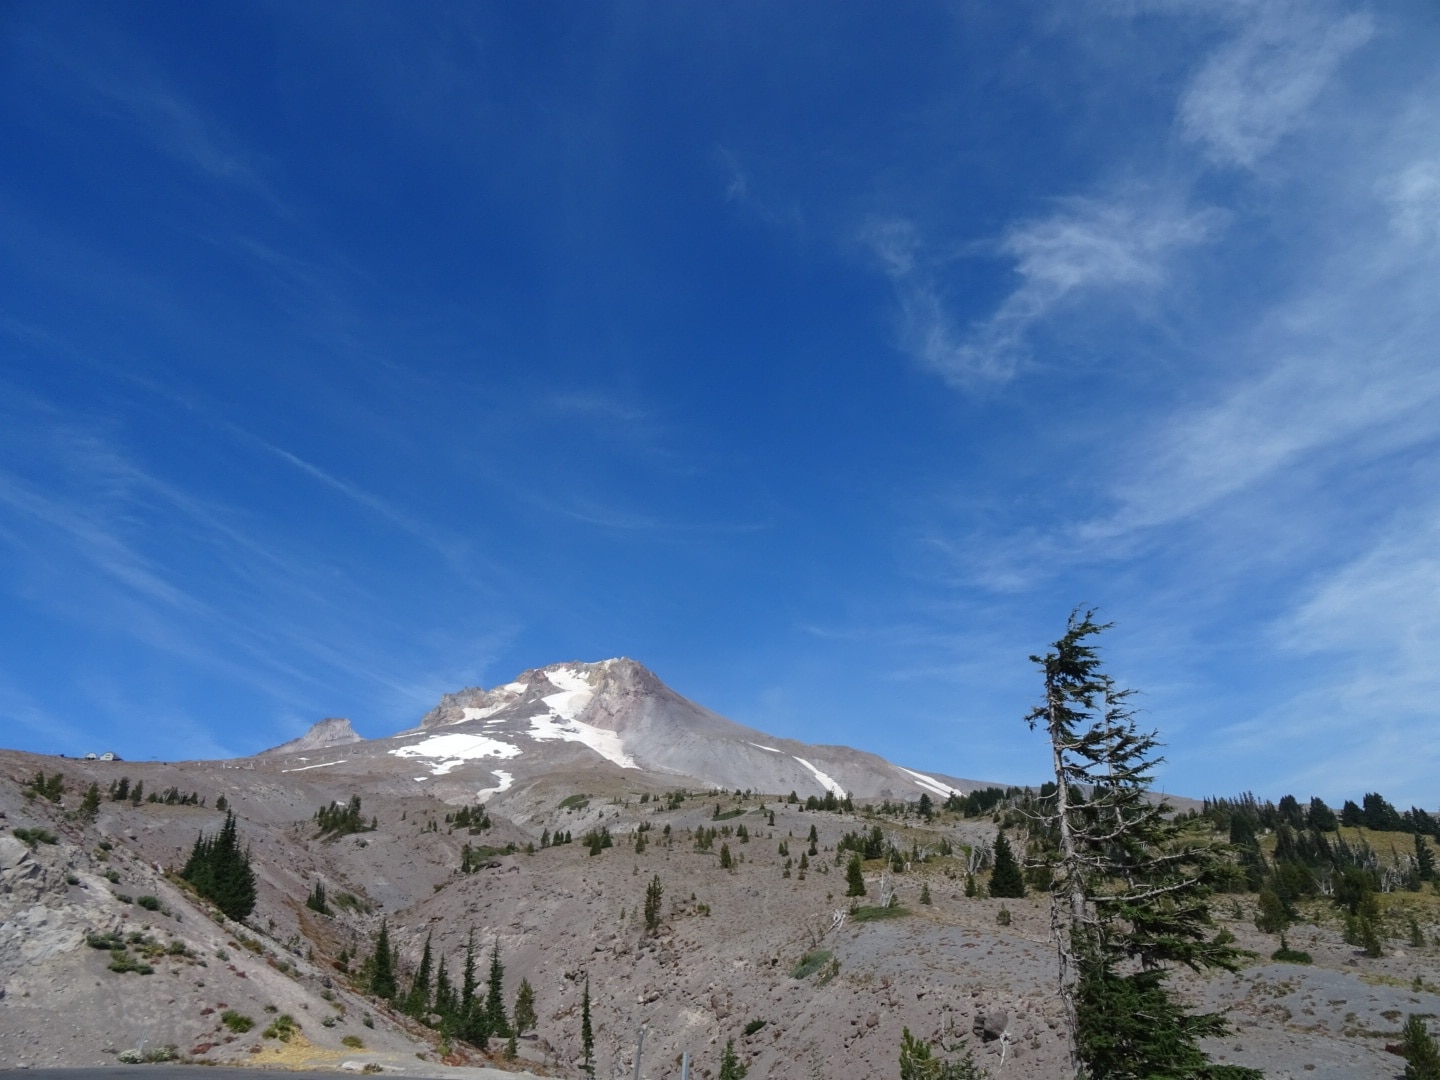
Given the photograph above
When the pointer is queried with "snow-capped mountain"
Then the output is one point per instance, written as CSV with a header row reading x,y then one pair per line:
x,y
615,715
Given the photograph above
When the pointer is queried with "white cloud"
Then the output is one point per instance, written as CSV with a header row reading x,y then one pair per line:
x,y
1257,88
1090,247
1414,199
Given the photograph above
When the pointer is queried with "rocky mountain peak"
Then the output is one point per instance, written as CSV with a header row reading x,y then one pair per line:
x,y
332,731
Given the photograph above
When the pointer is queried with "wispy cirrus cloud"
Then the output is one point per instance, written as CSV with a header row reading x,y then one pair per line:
x,y
1113,249
1261,84
115,79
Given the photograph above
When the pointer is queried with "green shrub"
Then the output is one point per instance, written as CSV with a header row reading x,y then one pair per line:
x,y
149,903
283,1027
1286,955
754,1026
122,962
872,914
111,940
31,837
354,1042
236,1021
810,963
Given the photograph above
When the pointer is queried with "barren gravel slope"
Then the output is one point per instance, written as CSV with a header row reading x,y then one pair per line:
x,y
722,959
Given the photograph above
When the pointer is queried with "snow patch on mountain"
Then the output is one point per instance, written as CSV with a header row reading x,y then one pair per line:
x,y
770,748
470,713
454,750
929,782
826,782
605,743
507,781
322,765
575,692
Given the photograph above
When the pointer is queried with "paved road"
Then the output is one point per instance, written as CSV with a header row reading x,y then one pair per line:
x,y
210,1072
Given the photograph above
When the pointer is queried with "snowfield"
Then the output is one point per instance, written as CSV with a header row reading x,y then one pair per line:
x,y
453,750
929,782
826,782
507,781
576,693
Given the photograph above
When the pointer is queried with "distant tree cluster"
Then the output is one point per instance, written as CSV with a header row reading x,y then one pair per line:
x,y
476,819
219,868
469,1012
336,821
46,788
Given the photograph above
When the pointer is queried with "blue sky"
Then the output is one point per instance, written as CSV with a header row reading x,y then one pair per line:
x,y
821,357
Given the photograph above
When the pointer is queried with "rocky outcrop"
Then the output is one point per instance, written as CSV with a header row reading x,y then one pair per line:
x,y
332,731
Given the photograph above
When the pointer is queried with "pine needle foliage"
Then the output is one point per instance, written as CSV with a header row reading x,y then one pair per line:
x,y
1417,1045
1129,880
219,868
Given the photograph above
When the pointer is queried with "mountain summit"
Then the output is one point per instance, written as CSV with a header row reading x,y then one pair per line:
x,y
617,715
332,731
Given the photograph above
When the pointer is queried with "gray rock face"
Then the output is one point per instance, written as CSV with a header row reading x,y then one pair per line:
x,y
642,724
332,731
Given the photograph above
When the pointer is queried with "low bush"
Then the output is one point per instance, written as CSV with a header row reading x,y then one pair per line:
x,y
149,903
283,1027
873,914
810,963
32,837
236,1021
354,1042
754,1026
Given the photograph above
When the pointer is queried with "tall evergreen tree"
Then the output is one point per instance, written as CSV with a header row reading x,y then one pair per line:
x,y
90,805
1006,880
587,1033
445,1003
382,966
220,871
1129,881
417,1001
495,1017
1424,859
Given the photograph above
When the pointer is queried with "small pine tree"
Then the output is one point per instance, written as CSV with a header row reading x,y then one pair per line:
x,y
90,805
730,1067
1270,914
925,894
854,877
1006,880
726,861
316,900
654,892
587,1033
1417,1046
524,1011
137,793
382,965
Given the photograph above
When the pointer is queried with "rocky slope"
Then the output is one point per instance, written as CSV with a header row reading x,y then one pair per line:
x,y
331,732
763,952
